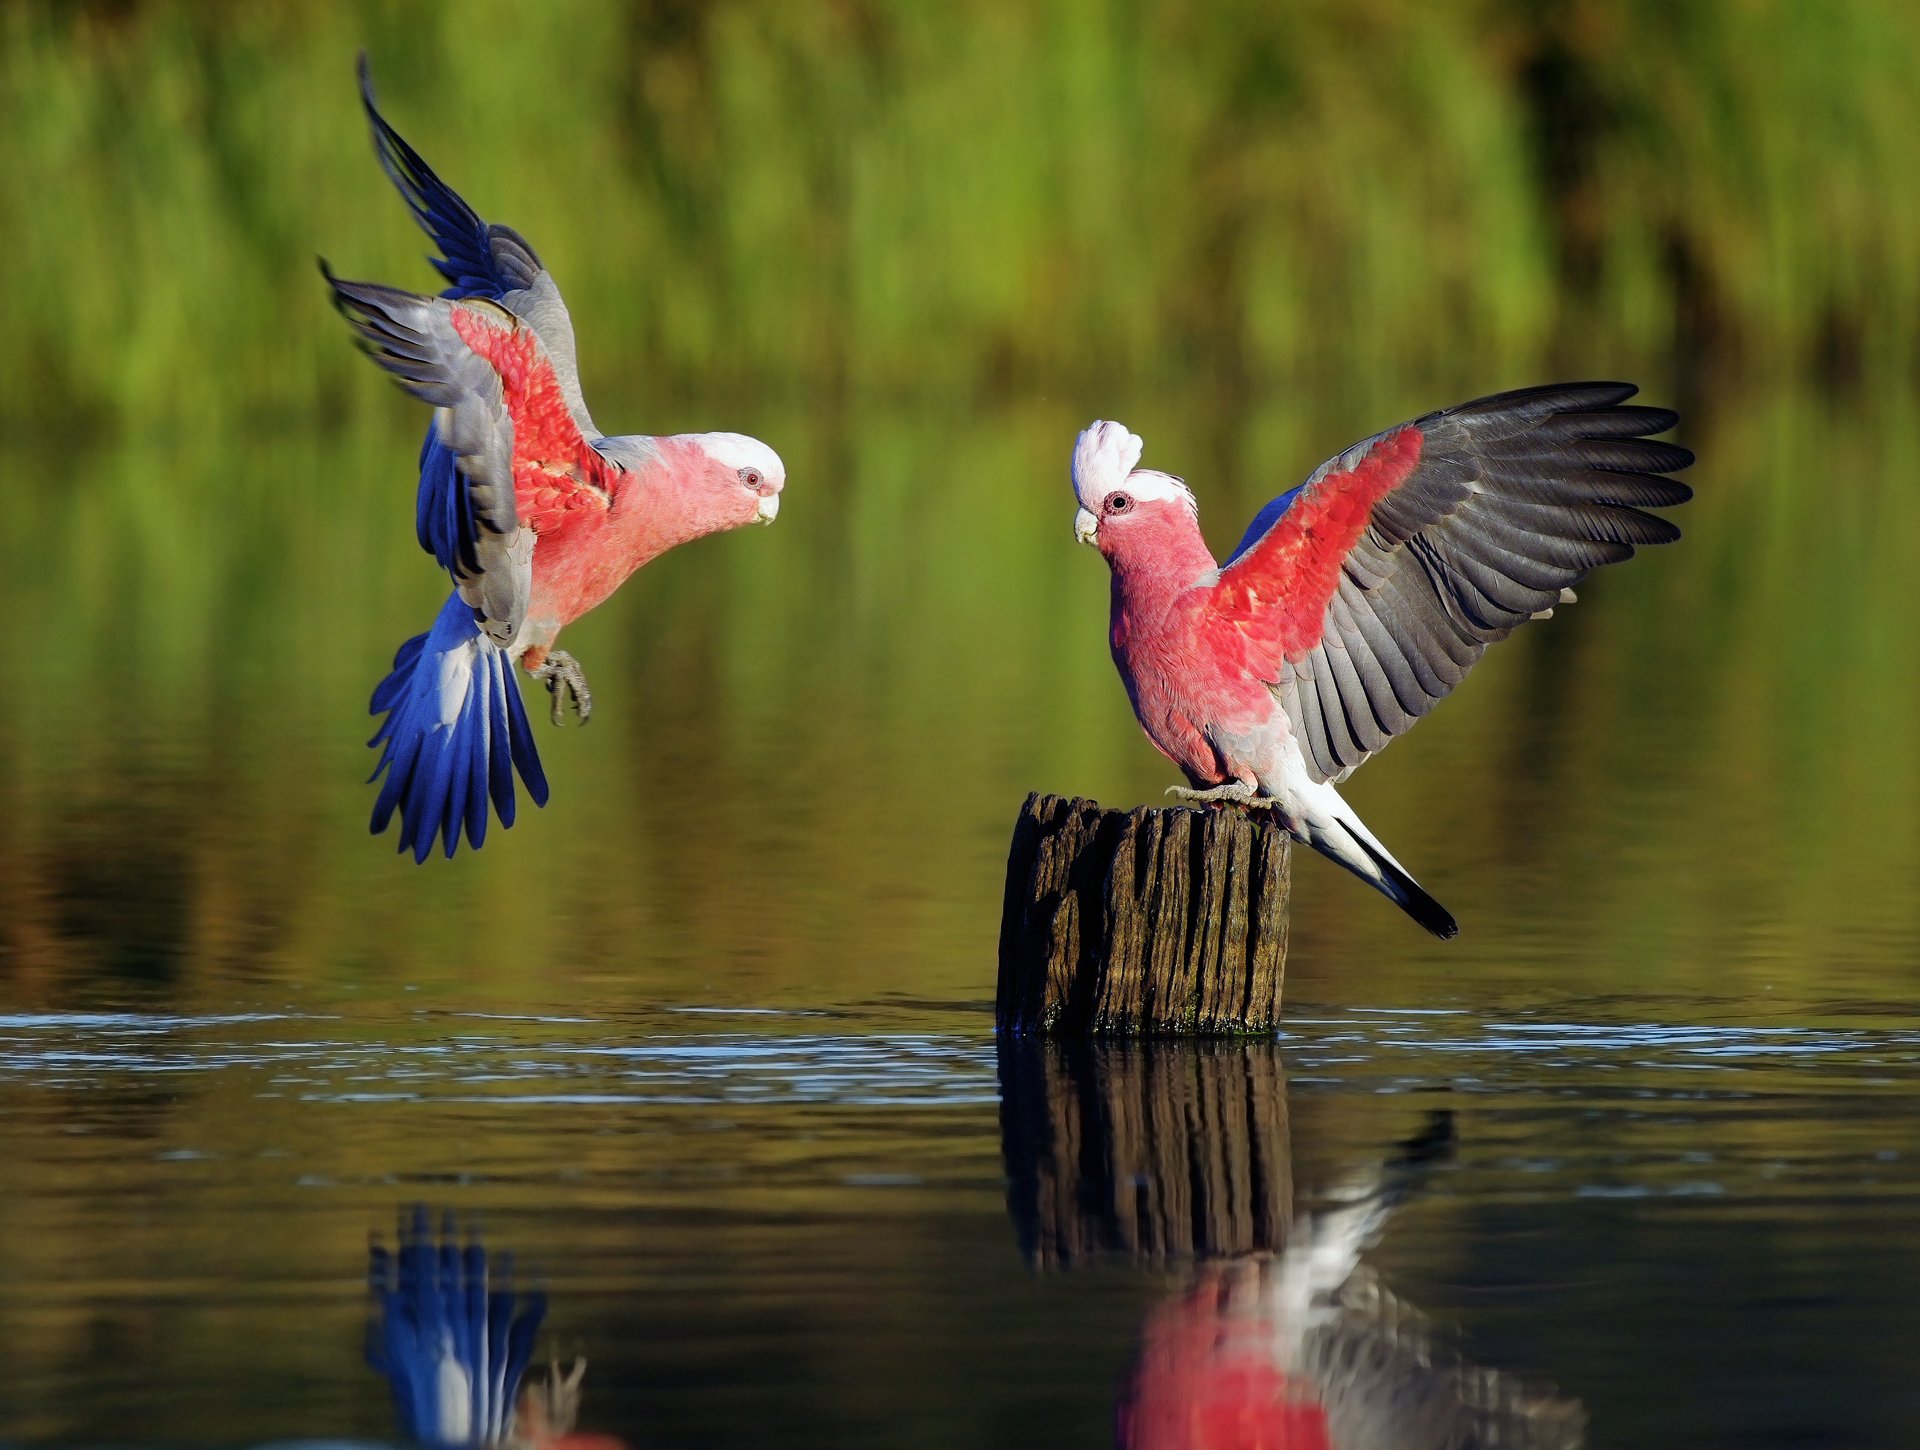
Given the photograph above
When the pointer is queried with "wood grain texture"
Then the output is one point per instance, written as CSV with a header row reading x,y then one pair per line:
x,y
1152,1152
1144,922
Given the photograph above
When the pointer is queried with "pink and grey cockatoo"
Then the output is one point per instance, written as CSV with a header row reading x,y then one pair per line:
x,y
535,514
1356,601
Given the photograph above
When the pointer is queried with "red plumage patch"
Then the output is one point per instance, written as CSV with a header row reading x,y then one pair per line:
x,y
556,474
1277,593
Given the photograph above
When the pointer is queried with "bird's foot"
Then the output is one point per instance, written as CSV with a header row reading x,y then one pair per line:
x,y
560,672
1237,791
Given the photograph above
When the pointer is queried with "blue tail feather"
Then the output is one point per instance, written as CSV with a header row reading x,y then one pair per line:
x,y
390,688
454,733
500,777
520,740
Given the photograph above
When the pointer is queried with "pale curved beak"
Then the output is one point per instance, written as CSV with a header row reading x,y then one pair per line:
x,y
768,508
1086,527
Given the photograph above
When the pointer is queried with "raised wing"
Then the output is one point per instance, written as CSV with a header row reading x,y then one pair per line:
x,y
476,259
502,414
1366,594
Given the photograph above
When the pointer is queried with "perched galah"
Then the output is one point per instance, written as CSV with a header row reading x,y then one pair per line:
x,y
1359,599
534,513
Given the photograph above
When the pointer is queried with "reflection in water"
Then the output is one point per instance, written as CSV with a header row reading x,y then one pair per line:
x,y
454,1336
1281,1335
1155,1152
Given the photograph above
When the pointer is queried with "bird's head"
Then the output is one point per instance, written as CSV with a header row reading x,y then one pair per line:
x,y
740,476
1123,508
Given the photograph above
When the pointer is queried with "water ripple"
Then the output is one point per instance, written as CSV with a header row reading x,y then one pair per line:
x,y
534,1059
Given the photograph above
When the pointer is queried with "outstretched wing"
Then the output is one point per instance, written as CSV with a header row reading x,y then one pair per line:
x,y
476,259
493,262
500,411
1367,593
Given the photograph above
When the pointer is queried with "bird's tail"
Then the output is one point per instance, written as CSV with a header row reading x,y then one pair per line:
x,y
455,732
1339,835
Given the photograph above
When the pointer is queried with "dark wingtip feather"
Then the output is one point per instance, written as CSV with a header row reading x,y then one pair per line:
x,y
470,261
383,131
1589,396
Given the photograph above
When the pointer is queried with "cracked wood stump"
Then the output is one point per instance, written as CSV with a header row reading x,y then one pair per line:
x,y
1151,922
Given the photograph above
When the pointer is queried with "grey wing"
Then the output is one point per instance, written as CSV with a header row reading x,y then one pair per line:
x,y
1515,499
413,338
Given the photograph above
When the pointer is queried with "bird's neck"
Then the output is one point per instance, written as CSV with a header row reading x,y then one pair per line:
x,y
663,504
1159,561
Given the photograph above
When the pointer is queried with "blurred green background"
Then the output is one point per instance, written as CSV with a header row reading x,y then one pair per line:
x,y
916,247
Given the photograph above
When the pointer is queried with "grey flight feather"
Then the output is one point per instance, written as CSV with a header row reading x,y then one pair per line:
x,y
1515,498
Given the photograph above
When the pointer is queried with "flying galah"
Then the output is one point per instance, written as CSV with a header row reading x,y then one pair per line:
x,y
1359,599
535,514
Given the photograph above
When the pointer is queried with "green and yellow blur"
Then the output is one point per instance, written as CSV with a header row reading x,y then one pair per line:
x,y
916,247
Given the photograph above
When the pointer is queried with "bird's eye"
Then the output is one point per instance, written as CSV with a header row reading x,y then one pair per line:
x,y
1118,503
750,477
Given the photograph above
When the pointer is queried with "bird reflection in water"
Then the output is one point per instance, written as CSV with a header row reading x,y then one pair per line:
x,y
1306,1350
454,1335
1281,1338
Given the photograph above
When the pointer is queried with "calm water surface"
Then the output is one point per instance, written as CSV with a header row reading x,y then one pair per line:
x,y
1669,1224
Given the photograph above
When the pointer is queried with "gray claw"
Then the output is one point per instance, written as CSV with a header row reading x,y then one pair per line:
x,y
1237,791
567,683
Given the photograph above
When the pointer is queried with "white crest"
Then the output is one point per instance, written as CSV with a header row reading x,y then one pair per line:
x,y
1107,456
736,450
1104,455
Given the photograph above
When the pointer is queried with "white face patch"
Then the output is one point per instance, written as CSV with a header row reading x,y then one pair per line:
x,y
737,451
1148,485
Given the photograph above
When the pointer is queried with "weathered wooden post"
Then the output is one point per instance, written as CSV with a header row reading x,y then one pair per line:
x,y
1143,922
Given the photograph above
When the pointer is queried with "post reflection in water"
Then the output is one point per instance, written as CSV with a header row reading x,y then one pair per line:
x,y
454,1335
1180,1156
